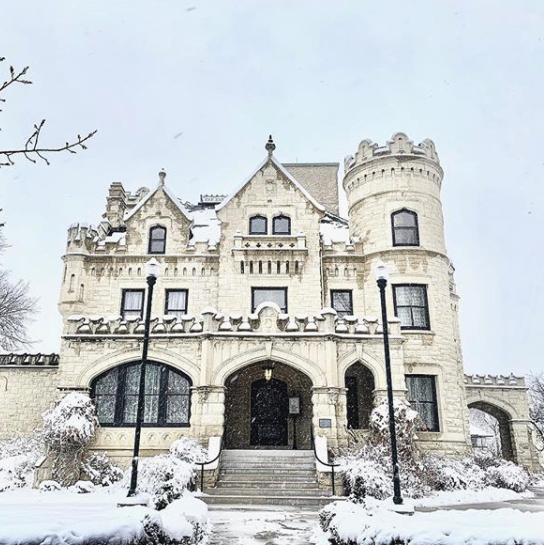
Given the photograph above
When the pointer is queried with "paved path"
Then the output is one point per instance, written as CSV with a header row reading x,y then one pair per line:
x,y
532,505
263,525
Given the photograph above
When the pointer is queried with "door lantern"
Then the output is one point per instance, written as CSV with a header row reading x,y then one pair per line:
x,y
268,367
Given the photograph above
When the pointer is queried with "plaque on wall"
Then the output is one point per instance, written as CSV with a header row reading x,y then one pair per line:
x,y
294,405
325,423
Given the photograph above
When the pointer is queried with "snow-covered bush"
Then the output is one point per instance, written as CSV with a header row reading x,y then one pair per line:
x,y
49,486
441,473
163,477
82,487
365,476
18,457
67,429
507,475
100,470
188,450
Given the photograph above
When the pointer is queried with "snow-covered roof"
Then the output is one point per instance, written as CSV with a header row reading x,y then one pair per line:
x,y
206,226
284,171
334,229
172,197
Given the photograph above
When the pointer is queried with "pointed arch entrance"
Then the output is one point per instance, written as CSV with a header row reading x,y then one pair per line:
x,y
360,385
257,410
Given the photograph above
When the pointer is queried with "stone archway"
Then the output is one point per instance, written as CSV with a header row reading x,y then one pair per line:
x,y
505,432
360,385
257,412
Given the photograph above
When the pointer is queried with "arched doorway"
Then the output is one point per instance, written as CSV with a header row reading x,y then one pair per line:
x,y
257,411
360,386
503,424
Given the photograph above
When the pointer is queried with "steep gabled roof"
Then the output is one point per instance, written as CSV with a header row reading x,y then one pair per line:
x,y
170,195
284,171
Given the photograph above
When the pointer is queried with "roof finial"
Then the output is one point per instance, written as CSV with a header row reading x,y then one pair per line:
x,y
270,146
162,176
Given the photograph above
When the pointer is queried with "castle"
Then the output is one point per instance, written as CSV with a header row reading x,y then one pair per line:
x,y
265,324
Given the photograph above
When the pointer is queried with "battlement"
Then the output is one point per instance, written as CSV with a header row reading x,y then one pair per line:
x,y
399,145
494,381
266,320
29,360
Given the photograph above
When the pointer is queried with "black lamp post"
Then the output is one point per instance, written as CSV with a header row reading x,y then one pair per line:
x,y
382,275
152,270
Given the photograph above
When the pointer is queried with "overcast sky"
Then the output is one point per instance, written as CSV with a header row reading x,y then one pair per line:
x,y
196,87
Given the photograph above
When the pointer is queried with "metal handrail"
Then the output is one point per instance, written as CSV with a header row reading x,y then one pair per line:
x,y
202,464
332,466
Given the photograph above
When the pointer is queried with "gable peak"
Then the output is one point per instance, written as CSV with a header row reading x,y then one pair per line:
x,y
270,146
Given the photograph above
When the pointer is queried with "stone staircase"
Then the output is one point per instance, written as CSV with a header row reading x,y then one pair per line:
x,y
267,477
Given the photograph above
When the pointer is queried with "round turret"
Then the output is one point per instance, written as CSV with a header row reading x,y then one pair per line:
x,y
383,181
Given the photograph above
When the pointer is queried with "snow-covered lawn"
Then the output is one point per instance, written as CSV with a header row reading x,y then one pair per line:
x,y
64,517
353,524
486,495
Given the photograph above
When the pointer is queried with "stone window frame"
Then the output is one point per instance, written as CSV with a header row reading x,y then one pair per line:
x,y
281,217
396,306
414,228
257,288
152,240
341,313
163,396
252,231
123,302
171,312
433,402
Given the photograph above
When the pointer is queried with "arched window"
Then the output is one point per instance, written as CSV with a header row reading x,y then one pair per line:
x,y
258,225
281,225
157,240
167,396
405,228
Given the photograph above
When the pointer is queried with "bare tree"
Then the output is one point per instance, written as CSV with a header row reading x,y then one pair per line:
x,y
536,405
32,148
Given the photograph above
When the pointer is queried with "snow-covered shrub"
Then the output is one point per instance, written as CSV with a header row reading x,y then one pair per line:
x,y
188,449
82,487
164,477
507,475
441,473
18,457
100,470
364,476
49,486
67,429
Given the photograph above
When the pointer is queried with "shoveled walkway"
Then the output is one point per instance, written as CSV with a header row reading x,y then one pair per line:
x,y
262,525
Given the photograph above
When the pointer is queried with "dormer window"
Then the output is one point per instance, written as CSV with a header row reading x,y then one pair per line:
x,y
157,240
258,225
405,228
281,225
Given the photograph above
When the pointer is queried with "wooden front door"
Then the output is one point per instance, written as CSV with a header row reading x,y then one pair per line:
x,y
269,413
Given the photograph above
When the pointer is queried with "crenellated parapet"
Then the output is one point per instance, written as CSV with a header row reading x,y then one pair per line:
x,y
494,381
82,237
267,320
29,360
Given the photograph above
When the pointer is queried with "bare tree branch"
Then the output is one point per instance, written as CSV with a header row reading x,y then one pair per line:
x,y
31,150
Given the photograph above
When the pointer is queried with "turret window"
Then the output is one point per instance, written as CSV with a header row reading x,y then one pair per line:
x,y
342,302
405,228
157,240
281,225
411,306
258,225
422,398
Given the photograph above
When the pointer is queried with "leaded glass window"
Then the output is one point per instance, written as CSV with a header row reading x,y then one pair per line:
x,y
176,302
411,306
342,302
422,398
405,228
269,295
258,225
281,225
157,240
132,304
167,396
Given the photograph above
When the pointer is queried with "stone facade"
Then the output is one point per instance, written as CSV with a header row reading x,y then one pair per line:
x,y
222,340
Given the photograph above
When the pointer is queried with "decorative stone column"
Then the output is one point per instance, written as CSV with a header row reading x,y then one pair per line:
x,y
329,405
208,412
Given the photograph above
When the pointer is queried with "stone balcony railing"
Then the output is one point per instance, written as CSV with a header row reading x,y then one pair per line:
x,y
261,243
495,381
29,360
267,320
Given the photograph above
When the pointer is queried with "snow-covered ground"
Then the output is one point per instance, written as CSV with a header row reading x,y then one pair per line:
x,y
66,518
486,495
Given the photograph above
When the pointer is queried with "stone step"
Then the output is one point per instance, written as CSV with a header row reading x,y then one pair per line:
x,y
270,477
268,485
302,501
226,470
244,464
268,453
291,492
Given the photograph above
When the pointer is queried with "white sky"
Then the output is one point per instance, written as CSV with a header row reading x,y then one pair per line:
x,y
196,87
